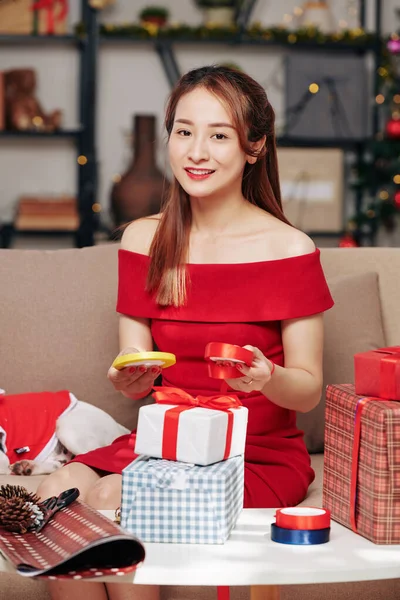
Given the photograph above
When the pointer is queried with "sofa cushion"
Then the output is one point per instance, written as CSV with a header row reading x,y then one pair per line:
x,y
60,329
353,325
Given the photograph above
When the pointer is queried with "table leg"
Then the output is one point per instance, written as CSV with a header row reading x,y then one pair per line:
x,y
264,592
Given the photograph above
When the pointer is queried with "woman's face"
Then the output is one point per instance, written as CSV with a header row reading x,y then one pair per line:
x,y
204,150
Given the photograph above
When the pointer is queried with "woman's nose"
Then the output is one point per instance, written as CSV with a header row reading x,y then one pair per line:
x,y
198,150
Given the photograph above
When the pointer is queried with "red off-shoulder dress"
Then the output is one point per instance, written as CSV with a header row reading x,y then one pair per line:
x,y
236,304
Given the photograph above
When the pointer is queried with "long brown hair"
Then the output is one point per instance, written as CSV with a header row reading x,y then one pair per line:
x,y
253,118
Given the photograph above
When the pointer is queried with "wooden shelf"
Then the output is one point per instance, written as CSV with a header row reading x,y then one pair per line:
x,y
40,39
64,133
293,142
239,41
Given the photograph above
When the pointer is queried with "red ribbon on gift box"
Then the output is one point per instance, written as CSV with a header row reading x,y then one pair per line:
x,y
390,372
355,455
170,395
50,5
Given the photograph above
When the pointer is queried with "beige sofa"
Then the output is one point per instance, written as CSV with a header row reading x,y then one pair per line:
x,y
58,330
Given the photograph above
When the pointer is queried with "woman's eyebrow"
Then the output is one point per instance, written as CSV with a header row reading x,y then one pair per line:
x,y
187,122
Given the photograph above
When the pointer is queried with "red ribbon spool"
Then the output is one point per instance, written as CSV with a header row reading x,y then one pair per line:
x,y
303,518
229,352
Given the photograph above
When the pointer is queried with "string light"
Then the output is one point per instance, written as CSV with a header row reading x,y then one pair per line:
x,y
298,11
37,121
383,195
82,160
396,178
287,18
96,207
343,24
313,88
380,99
396,98
116,178
352,226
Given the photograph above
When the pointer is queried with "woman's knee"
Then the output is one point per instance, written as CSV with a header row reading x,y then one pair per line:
x,y
106,493
72,475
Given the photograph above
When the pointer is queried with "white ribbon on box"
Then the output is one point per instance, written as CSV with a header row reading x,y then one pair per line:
x,y
202,433
174,478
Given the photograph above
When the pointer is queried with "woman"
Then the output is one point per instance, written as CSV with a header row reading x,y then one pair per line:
x,y
219,263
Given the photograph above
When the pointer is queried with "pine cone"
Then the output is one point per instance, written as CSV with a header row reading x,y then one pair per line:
x,y
18,515
18,491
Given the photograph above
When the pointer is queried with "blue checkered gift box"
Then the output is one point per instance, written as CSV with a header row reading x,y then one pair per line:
x,y
175,502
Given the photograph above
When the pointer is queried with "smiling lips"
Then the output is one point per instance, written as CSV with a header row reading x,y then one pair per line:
x,y
199,174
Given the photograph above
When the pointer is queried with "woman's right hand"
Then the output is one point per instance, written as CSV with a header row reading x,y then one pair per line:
x,y
133,382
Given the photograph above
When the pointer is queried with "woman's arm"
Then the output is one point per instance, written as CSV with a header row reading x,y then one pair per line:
x,y
135,333
134,336
298,384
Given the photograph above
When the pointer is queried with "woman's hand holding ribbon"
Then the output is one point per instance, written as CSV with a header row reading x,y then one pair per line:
x,y
254,377
133,382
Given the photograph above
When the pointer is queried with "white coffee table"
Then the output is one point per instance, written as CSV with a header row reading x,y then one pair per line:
x,y
250,558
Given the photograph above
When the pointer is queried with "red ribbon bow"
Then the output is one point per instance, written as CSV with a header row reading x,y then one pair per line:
x,y
390,372
50,5
170,395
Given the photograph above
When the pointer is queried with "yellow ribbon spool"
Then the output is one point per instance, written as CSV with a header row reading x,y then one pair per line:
x,y
146,359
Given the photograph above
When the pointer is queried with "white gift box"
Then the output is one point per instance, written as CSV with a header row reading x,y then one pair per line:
x,y
172,502
201,436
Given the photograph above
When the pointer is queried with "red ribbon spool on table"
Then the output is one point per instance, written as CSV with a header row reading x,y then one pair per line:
x,y
301,526
306,517
216,351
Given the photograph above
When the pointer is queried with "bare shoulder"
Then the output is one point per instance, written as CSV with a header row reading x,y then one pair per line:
x,y
289,241
298,242
138,235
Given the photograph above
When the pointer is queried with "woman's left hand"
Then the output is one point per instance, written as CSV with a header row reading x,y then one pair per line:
x,y
254,377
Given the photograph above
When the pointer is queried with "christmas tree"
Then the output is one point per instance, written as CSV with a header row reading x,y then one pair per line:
x,y
377,175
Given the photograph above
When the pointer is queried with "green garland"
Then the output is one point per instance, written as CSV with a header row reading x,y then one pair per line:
x,y
154,11
254,34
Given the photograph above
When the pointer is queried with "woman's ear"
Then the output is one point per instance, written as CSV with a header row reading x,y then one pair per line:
x,y
257,147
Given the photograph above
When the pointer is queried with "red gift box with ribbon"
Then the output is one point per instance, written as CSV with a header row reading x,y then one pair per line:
x,y
362,463
202,430
377,373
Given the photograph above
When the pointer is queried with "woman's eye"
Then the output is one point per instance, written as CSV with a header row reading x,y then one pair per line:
x,y
220,136
183,132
